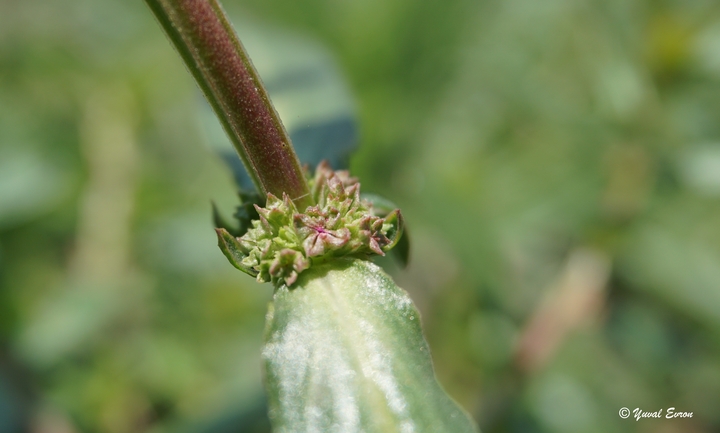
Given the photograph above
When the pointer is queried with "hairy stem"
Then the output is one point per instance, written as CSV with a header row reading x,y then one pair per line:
x,y
212,52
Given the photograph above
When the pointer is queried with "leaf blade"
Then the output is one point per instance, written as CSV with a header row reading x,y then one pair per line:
x,y
345,352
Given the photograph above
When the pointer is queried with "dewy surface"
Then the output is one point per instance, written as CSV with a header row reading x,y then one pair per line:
x,y
345,353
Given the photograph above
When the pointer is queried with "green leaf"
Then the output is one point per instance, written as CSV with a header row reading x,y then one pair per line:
x,y
345,353
220,222
395,231
233,251
400,240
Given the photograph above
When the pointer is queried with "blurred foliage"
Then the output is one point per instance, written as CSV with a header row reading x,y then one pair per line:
x,y
558,164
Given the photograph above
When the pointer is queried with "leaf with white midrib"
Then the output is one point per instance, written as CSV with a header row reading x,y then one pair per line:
x,y
345,353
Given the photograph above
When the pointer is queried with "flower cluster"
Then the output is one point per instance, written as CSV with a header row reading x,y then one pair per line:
x,y
284,242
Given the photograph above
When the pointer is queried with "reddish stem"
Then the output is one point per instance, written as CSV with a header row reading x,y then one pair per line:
x,y
214,55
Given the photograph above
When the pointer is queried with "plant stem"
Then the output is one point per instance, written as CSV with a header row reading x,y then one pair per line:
x,y
214,55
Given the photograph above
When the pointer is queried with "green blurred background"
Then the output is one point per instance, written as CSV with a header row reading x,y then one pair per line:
x,y
558,164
